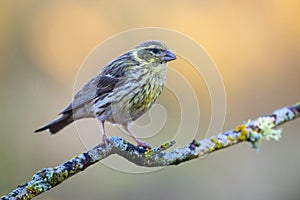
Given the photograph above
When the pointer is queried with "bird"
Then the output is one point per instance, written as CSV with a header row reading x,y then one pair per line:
x,y
123,91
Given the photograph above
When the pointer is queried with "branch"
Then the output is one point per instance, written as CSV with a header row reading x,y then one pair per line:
x,y
251,131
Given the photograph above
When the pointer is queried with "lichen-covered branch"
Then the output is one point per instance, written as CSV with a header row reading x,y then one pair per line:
x,y
252,131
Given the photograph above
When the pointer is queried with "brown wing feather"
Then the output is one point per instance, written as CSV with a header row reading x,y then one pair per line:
x,y
103,83
96,87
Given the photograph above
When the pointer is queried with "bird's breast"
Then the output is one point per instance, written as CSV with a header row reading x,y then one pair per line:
x,y
134,96
144,96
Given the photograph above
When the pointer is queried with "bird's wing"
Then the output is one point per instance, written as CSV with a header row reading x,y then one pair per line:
x,y
103,83
97,86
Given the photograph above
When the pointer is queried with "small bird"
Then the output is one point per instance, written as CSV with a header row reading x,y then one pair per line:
x,y
123,91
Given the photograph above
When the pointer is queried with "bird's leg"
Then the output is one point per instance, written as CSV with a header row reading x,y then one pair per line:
x,y
139,142
105,139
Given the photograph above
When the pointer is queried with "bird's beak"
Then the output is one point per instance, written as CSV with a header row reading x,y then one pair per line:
x,y
169,56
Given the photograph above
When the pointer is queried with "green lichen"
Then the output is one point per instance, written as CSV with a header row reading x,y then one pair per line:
x,y
37,187
242,129
264,130
266,125
255,137
148,153
166,145
217,143
231,139
211,149
59,177
33,191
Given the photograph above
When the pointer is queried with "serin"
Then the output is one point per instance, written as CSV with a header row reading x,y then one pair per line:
x,y
123,91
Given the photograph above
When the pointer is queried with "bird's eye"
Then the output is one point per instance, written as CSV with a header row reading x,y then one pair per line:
x,y
155,50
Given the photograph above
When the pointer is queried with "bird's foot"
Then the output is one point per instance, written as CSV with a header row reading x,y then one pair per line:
x,y
106,141
138,142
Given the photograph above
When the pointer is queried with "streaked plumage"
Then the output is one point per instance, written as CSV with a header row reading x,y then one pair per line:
x,y
124,89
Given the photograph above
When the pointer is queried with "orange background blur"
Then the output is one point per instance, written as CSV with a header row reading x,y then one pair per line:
x,y
255,44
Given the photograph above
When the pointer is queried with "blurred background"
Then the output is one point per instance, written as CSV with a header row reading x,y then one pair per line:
x,y
255,44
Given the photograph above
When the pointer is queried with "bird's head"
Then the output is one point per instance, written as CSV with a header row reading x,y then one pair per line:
x,y
154,52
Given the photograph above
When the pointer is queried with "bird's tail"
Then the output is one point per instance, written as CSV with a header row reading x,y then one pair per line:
x,y
57,124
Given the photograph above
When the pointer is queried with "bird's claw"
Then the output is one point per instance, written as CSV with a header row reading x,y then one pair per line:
x,y
106,141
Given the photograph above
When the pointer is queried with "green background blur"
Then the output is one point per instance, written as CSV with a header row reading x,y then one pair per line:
x,y
255,44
